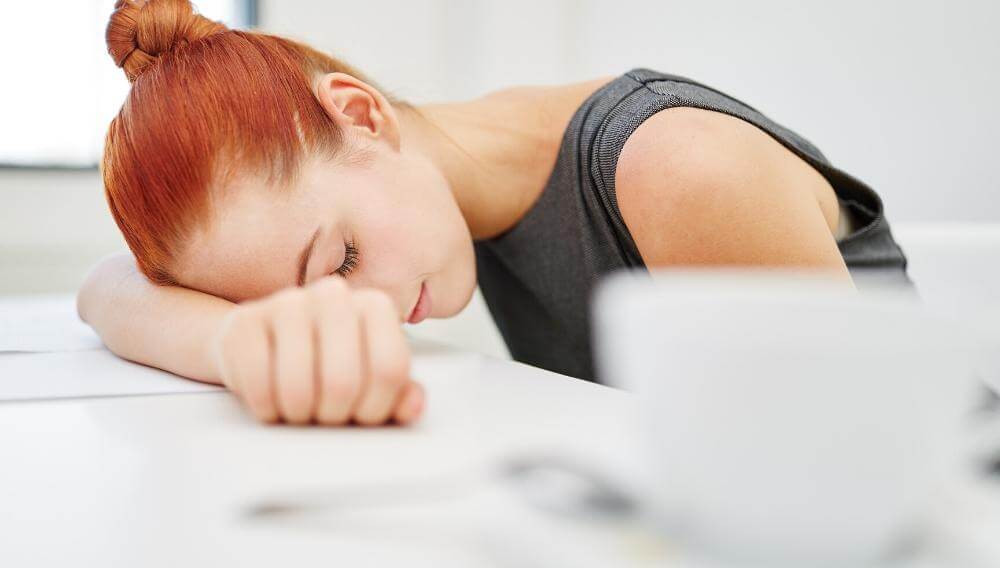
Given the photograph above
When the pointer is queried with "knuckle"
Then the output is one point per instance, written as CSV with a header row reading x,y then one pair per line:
x,y
330,286
255,314
283,295
240,308
326,296
286,298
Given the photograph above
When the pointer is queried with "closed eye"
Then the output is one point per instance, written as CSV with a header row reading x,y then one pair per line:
x,y
350,259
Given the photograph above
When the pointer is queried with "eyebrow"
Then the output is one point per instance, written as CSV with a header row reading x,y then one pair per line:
x,y
304,258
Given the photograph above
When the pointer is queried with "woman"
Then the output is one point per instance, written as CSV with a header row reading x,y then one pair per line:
x,y
286,216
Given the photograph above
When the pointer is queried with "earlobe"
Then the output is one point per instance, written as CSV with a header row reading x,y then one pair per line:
x,y
357,107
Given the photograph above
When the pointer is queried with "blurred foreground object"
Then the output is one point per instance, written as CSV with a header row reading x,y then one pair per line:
x,y
956,267
786,417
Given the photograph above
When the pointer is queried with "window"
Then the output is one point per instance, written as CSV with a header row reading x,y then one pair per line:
x,y
61,88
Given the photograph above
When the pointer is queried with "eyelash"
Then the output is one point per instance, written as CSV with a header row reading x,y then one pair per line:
x,y
350,259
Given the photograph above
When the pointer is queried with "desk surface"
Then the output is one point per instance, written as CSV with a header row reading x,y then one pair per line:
x,y
172,479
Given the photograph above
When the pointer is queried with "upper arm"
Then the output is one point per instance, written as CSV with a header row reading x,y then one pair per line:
x,y
698,187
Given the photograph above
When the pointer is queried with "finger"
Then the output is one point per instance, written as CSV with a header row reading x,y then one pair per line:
x,y
338,353
411,403
247,362
386,360
293,362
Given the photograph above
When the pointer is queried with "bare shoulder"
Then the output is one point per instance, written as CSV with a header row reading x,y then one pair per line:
x,y
706,142
681,133
697,186
680,146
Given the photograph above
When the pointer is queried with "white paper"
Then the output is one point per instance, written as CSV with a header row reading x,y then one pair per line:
x,y
41,324
32,376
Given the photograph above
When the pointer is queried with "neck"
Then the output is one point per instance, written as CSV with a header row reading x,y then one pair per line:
x,y
496,152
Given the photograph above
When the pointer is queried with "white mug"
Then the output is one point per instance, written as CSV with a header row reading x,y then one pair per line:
x,y
785,417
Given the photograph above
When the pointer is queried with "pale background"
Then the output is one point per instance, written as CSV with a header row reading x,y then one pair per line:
x,y
900,93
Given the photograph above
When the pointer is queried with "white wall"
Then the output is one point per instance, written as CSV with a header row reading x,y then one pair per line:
x,y
53,226
901,93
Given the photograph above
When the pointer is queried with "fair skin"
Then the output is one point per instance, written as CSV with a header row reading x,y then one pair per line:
x,y
703,188
694,187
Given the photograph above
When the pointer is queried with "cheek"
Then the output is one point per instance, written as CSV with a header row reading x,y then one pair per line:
x,y
392,246
411,226
394,241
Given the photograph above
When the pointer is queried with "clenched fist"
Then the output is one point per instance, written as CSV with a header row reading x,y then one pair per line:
x,y
323,353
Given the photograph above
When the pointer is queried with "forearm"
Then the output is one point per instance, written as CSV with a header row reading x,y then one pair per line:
x,y
168,327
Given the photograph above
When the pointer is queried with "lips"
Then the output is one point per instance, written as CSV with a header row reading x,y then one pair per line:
x,y
422,307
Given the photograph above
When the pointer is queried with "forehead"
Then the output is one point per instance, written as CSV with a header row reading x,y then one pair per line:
x,y
249,245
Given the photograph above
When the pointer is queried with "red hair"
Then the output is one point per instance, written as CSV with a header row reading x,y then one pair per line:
x,y
205,101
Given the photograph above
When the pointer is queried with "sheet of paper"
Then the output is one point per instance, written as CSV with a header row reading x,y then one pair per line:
x,y
41,324
74,374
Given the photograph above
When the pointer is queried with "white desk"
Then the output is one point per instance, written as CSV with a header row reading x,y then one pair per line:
x,y
168,479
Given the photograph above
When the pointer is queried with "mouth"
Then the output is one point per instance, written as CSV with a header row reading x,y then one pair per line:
x,y
422,307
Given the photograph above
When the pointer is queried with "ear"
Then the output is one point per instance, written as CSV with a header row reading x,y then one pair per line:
x,y
358,108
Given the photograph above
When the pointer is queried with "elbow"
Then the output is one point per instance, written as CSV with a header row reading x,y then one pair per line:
x,y
102,276
84,297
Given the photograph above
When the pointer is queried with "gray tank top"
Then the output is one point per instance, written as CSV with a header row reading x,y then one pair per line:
x,y
538,277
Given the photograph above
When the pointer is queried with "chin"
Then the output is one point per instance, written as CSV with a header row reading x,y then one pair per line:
x,y
459,295
467,298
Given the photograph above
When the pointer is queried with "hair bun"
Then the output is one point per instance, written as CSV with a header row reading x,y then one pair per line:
x,y
140,31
